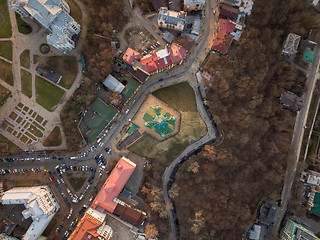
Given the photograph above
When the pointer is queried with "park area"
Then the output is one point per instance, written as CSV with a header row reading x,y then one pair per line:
x,y
181,98
6,72
66,66
25,59
5,25
25,124
26,83
4,94
6,49
54,139
48,95
157,119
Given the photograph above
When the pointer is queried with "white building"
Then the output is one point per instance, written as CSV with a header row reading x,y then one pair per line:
x,y
172,20
54,16
193,5
40,205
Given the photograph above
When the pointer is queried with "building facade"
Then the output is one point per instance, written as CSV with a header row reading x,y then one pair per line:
x,y
172,20
293,231
54,16
40,205
193,5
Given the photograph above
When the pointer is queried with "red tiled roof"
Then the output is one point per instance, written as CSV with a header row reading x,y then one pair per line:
x,y
225,26
148,64
177,53
227,14
130,55
152,62
222,45
114,184
223,40
86,226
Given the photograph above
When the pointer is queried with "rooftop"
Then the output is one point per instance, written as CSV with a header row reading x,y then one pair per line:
x,y
91,226
114,185
40,205
130,55
291,101
113,84
171,17
49,74
291,44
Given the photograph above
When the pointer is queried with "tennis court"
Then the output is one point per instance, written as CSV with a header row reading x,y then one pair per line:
x,y
103,114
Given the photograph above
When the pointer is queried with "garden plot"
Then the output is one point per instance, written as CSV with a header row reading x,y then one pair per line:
x,y
25,124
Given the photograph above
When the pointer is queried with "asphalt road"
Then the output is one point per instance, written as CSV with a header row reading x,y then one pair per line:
x,y
179,74
294,154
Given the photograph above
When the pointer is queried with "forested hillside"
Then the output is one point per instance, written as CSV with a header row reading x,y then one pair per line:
x,y
218,190
105,19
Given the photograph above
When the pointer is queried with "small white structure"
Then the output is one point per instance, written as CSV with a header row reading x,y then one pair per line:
x,y
54,16
193,5
291,44
113,84
172,20
40,205
315,2
245,6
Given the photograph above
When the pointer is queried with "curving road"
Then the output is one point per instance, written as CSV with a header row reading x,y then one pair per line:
x,y
184,72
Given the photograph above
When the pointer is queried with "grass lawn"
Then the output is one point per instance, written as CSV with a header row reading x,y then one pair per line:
x,y
75,11
26,183
54,138
4,94
6,146
6,72
192,126
5,26
26,83
47,94
25,59
6,49
180,97
23,27
35,131
35,58
77,182
66,66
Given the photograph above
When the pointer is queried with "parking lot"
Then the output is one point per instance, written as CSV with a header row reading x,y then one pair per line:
x,y
18,172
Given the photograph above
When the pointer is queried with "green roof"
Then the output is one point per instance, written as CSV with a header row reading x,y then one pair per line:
x,y
103,114
308,56
132,128
315,209
129,90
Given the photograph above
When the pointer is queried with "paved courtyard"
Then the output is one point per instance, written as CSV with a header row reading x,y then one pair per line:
x,y
25,124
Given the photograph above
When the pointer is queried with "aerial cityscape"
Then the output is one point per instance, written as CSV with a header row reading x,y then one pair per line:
x,y
159,119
